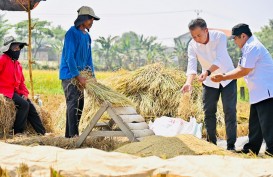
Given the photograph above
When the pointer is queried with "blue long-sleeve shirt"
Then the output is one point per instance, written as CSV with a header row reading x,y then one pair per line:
x,y
76,55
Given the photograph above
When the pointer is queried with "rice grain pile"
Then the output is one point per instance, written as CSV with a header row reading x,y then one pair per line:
x,y
7,114
169,147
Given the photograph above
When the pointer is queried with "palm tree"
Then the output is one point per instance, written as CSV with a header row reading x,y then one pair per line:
x,y
106,50
181,53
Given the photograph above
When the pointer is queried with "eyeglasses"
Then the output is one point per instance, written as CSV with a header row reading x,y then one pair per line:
x,y
237,37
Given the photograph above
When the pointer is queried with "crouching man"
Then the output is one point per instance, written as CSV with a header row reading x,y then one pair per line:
x,y
12,85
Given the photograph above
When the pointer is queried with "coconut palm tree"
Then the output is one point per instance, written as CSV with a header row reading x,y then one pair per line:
x,y
106,50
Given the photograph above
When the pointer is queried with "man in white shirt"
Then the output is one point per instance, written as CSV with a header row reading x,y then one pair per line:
x,y
256,66
209,47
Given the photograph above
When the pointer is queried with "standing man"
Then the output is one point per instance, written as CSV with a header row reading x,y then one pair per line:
x,y
256,66
76,56
209,47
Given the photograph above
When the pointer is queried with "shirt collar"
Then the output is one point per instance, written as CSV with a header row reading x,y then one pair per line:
x,y
211,39
247,43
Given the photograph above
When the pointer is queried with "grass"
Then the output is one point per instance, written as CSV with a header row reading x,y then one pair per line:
x,y
241,83
47,81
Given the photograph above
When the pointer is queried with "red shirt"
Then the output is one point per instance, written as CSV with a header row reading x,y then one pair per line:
x,y
11,77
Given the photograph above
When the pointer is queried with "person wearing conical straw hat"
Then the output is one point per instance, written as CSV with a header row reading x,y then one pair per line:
x,y
12,86
209,47
76,56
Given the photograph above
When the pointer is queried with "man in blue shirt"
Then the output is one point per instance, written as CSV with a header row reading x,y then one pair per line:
x,y
76,56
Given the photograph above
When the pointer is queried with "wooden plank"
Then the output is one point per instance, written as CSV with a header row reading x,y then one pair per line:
x,y
92,124
121,124
124,110
142,133
106,134
101,124
132,118
138,126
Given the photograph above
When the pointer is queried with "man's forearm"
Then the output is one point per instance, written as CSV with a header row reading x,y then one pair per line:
x,y
237,73
213,68
190,78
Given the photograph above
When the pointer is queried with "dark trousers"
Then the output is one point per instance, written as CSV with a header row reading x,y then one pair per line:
x,y
74,102
26,112
229,100
260,126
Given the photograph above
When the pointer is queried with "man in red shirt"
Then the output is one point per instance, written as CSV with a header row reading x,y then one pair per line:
x,y
12,86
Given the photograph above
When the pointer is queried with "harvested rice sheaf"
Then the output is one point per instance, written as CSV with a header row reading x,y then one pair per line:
x,y
169,147
96,95
7,114
190,107
46,119
99,93
154,88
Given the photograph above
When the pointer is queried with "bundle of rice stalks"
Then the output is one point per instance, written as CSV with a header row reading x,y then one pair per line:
x,y
99,93
190,107
96,95
154,88
45,118
60,118
7,114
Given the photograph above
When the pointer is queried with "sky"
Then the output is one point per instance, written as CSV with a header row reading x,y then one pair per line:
x,y
165,19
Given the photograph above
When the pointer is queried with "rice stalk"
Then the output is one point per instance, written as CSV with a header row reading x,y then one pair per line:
x,y
46,119
153,88
4,173
99,93
188,107
7,114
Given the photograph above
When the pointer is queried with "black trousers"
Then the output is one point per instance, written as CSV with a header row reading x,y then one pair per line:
x,y
260,126
26,112
229,100
74,102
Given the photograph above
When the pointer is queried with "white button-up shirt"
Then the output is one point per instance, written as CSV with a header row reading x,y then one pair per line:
x,y
260,79
213,53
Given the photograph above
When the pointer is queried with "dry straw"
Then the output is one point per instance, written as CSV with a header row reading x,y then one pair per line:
x,y
7,114
154,88
46,119
96,95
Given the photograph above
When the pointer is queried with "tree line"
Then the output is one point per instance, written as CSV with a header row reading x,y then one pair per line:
x,y
128,51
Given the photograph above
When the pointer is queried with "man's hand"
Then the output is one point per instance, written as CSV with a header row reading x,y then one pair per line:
x,y
186,88
217,78
24,97
203,76
82,81
94,80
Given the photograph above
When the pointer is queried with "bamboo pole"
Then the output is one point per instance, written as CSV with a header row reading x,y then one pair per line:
x,y
30,49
